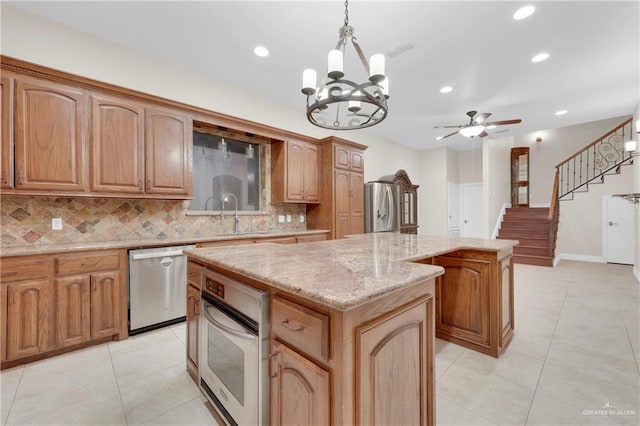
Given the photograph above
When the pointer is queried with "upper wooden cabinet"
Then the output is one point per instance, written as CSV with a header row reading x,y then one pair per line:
x,y
49,136
117,145
294,172
6,133
341,208
168,146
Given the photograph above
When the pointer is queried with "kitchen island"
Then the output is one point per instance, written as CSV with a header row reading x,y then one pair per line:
x,y
353,321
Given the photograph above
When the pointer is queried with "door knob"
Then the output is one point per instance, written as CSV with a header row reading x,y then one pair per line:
x,y
466,221
611,223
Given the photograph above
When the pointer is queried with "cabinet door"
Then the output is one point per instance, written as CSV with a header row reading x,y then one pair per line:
x,y
357,161
462,299
394,374
342,203
72,300
29,315
168,144
356,224
506,300
295,170
105,303
299,389
6,135
117,145
311,173
193,326
341,157
49,136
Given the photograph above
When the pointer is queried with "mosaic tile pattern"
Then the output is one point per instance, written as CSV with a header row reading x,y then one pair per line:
x,y
27,220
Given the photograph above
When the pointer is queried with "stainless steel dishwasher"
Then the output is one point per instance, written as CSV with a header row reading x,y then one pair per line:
x,y
157,287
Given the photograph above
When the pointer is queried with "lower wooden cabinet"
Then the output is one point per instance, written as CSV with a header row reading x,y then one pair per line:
x,y
193,330
29,318
105,298
72,306
300,392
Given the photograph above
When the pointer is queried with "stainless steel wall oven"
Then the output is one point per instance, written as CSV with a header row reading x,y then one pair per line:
x,y
234,348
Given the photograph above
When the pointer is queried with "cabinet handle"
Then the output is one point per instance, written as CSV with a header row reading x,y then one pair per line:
x,y
287,324
89,264
273,372
196,308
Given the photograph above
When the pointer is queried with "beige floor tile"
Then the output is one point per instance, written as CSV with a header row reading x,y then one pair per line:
x,y
9,380
446,354
546,411
103,409
156,394
533,343
41,392
181,332
585,391
192,413
450,413
155,356
141,341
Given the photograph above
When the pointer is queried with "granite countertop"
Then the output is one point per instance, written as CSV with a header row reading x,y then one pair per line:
x,y
343,274
142,243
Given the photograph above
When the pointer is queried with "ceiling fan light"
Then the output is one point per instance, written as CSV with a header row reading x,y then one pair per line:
x,y
471,131
524,12
540,57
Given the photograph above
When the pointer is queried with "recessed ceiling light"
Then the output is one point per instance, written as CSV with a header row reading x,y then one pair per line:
x,y
562,112
261,51
439,138
446,89
540,57
524,12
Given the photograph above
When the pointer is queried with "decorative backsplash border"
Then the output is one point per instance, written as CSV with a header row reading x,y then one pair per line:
x,y
27,220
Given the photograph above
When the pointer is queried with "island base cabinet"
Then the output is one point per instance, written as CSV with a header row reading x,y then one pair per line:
x,y
193,330
299,389
394,371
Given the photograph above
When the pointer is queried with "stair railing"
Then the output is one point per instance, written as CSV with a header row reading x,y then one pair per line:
x,y
554,213
594,160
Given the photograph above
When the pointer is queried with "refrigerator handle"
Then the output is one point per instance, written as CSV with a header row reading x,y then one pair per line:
x,y
392,208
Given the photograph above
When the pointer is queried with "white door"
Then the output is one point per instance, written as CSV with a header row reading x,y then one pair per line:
x,y
453,210
619,230
472,210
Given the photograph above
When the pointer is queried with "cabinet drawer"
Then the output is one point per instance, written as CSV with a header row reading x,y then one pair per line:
x,y
301,327
193,274
22,268
87,262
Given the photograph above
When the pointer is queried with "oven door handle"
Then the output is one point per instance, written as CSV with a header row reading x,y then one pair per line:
x,y
226,328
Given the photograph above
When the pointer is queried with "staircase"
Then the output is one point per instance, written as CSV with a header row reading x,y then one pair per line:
x,y
536,234
537,228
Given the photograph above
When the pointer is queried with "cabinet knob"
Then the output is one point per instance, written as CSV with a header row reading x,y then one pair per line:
x,y
273,370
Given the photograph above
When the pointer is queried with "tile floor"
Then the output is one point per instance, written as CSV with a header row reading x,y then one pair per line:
x,y
574,360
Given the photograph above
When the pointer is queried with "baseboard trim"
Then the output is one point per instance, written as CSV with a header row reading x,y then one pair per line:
x,y
581,258
496,228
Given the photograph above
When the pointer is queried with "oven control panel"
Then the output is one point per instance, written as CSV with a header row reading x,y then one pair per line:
x,y
214,287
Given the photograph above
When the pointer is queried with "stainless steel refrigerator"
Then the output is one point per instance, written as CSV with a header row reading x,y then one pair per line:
x,y
381,207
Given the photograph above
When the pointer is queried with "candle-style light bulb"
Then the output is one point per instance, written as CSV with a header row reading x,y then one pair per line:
x,y
309,81
376,68
334,60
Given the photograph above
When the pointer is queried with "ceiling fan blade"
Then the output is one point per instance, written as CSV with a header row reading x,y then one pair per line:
x,y
450,134
449,127
479,118
483,134
503,122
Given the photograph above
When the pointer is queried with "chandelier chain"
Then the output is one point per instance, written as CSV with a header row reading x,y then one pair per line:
x,y
346,13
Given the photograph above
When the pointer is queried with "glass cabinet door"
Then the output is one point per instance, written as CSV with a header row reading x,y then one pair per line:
x,y
520,177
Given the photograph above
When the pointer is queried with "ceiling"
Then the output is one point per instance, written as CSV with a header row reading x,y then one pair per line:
x,y
476,47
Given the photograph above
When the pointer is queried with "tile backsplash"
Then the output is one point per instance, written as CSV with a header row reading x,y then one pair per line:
x,y
27,220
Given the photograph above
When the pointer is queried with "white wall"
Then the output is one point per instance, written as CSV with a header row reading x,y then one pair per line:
x,y
557,145
636,189
470,164
35,39
496,176
432,199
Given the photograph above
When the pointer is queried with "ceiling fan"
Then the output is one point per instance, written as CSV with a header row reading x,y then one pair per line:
x,y
477,125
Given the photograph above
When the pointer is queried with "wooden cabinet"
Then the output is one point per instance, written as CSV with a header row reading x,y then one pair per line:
x,y
61,300
394,368
6,133
193,318
300,389
474,300
294,172
29,318
117,145
49,136
168,147
341,208
520,177
72,307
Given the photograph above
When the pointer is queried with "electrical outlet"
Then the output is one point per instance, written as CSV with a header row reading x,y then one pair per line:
x,y
280,218
288,218
56,224
301,218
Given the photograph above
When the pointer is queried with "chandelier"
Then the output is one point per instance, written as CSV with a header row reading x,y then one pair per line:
x,y
341,104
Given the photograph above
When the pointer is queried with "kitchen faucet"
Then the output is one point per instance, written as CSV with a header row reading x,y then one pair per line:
x,y
236,219
206,203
